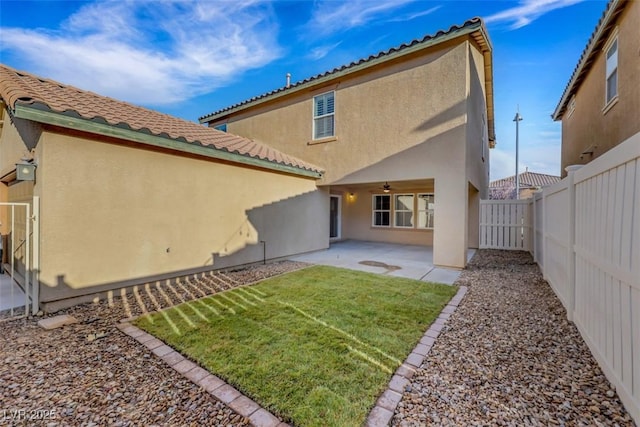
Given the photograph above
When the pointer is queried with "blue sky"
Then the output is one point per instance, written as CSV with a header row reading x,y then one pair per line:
x,y
191,58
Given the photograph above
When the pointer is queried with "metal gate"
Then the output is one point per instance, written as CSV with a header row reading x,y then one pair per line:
x,y
19,289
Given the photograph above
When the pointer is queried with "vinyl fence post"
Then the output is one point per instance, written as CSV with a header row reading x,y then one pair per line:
x,y
571,252
534,231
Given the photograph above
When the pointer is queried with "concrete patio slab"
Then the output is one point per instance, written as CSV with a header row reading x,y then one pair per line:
x,y
409,261
11,295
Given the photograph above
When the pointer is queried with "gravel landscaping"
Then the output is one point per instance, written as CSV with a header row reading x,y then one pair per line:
x,y
508,356
68,377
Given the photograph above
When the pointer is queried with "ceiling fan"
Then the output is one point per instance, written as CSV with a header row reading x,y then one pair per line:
x,y
386,187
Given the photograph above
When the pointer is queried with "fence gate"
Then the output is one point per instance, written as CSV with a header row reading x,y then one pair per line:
x,y
506,224
20,261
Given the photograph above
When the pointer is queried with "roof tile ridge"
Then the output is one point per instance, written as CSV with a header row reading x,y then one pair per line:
x,y
399,48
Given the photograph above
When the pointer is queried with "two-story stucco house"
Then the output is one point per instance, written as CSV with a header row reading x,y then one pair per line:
x,y
392,148
600,107
403,137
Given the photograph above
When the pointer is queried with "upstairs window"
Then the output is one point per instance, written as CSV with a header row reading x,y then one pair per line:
x,y
485,136
323,115
572,106
612,71
222,127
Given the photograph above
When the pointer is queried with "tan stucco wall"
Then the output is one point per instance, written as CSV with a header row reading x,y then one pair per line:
x,y
473,218
357,219
112,213
588,125
12,149
405,120
477,136
477,147
377,114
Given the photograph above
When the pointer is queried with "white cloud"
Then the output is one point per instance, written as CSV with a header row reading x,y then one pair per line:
x,y
331,16
414,15
528,11
151,52
320,52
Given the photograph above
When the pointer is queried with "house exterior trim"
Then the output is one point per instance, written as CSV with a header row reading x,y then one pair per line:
x,y
65,121
597,40
474,29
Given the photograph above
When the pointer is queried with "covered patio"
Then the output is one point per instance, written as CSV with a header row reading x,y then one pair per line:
x,y
410,261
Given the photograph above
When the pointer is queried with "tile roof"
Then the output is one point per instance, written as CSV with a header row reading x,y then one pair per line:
x,y
527,179
19,88
590,53
474,26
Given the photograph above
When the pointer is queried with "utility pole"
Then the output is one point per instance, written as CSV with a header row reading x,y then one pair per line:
x,y
517,119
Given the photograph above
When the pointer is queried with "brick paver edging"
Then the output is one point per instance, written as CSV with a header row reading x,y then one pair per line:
x,y
257,415
382,413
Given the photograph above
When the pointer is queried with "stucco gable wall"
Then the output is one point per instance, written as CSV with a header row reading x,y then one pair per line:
x,y
378,114
477,148
17,138
589,125
112,213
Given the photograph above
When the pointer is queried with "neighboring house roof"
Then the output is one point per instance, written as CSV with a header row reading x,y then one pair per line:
x,y
46,101
473,27
527,180
590,53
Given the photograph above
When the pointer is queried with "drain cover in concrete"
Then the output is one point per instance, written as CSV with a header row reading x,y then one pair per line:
x,y
380,264
57,321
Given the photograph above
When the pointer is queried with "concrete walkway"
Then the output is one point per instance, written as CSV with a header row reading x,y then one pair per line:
x,y
11,296
411,261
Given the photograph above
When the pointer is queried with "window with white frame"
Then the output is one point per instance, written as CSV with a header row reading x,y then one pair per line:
x,y
612,70
222,127
403,210
572,106
409,210
381,210
484,136
425,210
323,115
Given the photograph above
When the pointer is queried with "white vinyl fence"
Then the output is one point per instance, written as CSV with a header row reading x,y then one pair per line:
x,y
505,224
586,239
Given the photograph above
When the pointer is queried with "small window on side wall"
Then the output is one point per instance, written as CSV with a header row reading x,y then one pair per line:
x,y
324,115
612,71
222,127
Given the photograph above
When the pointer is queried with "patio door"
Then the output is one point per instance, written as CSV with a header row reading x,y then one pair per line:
x,y
334,216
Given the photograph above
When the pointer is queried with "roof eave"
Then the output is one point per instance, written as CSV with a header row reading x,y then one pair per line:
x,y
613,10
488,55
325,79
35,114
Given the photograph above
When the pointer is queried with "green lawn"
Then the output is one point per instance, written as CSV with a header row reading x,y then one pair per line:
x,y
315,346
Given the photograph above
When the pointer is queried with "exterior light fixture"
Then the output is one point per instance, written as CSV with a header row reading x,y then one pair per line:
x,y
386,187
25,171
